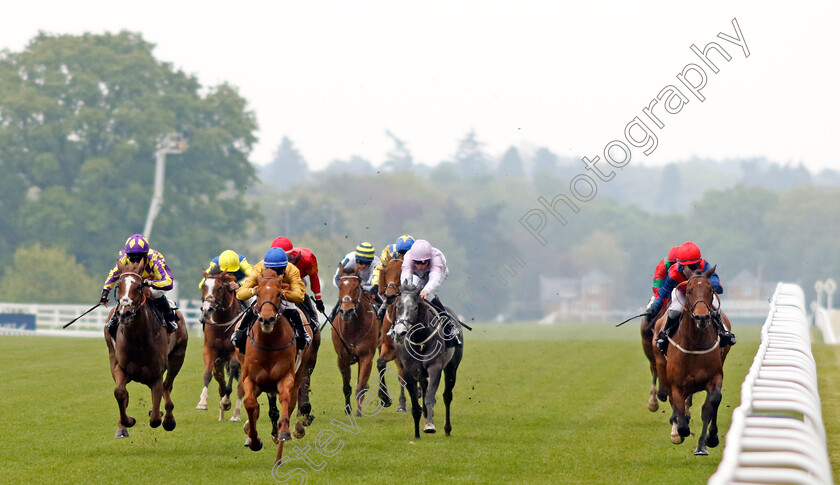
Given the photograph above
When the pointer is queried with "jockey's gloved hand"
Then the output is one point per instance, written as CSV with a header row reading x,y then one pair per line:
x,y
147,282
374,289
653,310
103,300
319,305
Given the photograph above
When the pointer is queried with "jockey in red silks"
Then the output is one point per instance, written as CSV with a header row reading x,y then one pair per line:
x,y
306,262
688,256
155,273
661,271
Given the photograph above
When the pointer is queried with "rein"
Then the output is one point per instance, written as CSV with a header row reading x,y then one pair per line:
x,y
435,330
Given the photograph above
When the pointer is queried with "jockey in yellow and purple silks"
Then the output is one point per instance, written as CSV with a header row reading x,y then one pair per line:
x,y
155,273
391,251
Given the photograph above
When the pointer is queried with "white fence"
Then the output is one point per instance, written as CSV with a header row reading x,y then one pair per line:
x,y
777,434
50,318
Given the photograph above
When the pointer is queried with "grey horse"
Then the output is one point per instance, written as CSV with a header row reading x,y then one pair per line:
x,y
419,338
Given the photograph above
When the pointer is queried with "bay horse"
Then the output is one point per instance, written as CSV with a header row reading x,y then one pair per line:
x,y
694,362
418,333
389,281
142,350
272,364
220,308
355,336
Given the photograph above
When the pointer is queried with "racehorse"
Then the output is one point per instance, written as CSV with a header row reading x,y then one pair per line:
x,y
272,364
694,362
389,281
355,336
647,346
220,308
420,344
142,350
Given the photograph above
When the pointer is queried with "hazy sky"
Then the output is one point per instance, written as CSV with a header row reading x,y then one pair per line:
x,y
333,76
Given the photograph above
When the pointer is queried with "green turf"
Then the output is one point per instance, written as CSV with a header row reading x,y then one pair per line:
x,y
533,404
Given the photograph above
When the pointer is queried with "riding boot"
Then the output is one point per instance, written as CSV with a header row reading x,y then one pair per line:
x,y
170,319
309,309
303,338
334,311
662,338
450,334
726,337
113,324
239,337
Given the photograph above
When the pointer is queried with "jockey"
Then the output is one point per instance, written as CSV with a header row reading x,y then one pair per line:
x,y
232,262
155,273
662,268
426,265
276,259
305,261
364,257
688,256
391,251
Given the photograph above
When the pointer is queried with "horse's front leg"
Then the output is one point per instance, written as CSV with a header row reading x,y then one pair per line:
x,y
219,375
155,416
346,388
236,372
429,398
287,400
381,367
679,421
413,392
121,395
208,373
710,411
252,407
401,407
365,365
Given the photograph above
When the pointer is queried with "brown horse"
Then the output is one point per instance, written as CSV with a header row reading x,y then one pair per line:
x,y
272,364
142,350
355,336
694,362
648,343
220,308
389,281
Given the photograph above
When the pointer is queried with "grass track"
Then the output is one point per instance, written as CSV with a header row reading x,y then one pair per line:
x,y
533,404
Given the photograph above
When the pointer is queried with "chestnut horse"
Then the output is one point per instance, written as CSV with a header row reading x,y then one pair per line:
x,y
355,336
648,343
142,350
418,333
272,364
694,362
220,308
389,282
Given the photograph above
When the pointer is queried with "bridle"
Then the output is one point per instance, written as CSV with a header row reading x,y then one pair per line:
x,y
389,299
211,298
277,311
700,321
126,301
357,301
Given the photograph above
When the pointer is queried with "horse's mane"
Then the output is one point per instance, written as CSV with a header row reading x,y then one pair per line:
x,y
215,270
410,288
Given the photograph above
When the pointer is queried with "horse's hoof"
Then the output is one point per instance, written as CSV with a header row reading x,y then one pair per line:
x,y
401,409
235,419
308,420
300,431
712,441
225,405
121,433
284,436
154,423
684,432
662,397
677,439
653,406
429,428
384,400
130,423
255,445
169,425
701,451
201,407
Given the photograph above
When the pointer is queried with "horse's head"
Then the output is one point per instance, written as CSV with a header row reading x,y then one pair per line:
x,y
408,305
699,298
269,294
129,290
217,292
391,279
349,294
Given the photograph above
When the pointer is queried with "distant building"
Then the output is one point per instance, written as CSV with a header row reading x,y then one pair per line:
x,y
587,298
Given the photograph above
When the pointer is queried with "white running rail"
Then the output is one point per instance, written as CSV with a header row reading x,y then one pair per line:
x,y
777,433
